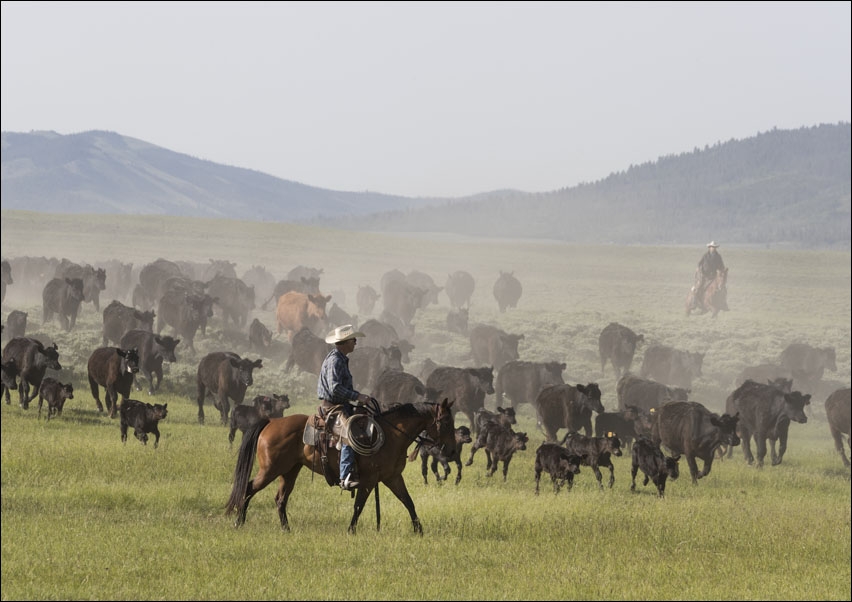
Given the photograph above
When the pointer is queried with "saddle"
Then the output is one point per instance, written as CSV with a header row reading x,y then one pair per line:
x,y
330,428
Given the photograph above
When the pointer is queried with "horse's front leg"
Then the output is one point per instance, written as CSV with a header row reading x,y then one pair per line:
x,y
397,486
360,500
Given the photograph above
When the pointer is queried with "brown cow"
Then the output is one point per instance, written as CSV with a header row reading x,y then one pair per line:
x,y
114,369
837,412
459,288
224,375
296,311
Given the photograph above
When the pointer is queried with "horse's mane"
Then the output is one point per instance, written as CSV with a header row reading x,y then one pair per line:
x,y
409,409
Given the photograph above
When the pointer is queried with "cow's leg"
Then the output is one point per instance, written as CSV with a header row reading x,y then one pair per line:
x,y
708,464
202,393
634,468
424,469
95,393
782,447
611,475
505,467
224,407
458,470
746,443
473,449
693,468
446,467
760,444
538,478
112,401
158,372
156,433
598,474
836,434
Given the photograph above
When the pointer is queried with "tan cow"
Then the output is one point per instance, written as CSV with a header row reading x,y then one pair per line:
x,y
300,310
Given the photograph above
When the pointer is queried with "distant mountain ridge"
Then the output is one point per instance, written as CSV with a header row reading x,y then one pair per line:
x,y
104,172
788,187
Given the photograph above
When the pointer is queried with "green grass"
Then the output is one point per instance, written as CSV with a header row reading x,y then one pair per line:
x,y
85,517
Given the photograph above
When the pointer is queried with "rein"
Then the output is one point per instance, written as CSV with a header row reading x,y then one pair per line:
x,y
420,439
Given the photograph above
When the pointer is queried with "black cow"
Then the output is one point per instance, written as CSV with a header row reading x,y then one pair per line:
x,y
837,411
261,279
5,278
114,369
336,316
307,352
382,334
32,360
617,344
765,412
144,418
9,378
260,337
808,364
184,312
762,373
398,386
152,279
491,346
153,351
369,363
244,417
500,443
457,320
688,428
94,280
646,394
55,393
671,366
402,299
224,375
628,424
16,324
436,453
594,452
366,299
507,291
306,285
521,381
425,282
656,466
567,406
559,463
466,387
234,298
120,318
62,296
459,288
503,416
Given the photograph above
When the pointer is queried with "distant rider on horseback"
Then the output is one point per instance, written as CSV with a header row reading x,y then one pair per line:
x,y
708,265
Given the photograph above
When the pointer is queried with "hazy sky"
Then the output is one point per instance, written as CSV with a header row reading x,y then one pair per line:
x,y
426,99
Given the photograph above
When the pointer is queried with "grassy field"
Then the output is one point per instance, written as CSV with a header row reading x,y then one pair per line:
x,y
85,517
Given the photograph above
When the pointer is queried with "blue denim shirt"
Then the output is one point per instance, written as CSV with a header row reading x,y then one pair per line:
x,y
335,379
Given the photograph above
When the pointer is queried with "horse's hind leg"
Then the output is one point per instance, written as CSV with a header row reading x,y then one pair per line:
x,y
285,488
360,501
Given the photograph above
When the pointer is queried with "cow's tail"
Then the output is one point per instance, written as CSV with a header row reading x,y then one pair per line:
x,y
245,462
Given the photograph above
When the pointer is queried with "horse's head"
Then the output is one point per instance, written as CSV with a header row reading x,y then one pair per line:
x,y
443,429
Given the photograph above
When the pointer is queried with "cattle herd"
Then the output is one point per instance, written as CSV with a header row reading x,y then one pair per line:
x,y
656,422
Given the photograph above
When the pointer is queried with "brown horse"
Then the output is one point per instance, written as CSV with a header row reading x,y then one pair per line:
x,y
277,443
714,298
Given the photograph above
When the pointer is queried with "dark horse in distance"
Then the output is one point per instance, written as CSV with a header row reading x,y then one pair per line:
x,y
714,298
278,445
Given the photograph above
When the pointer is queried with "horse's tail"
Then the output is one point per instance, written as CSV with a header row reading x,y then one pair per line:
x,y
245,462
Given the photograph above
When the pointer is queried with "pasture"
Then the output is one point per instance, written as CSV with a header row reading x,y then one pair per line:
x,y
87,517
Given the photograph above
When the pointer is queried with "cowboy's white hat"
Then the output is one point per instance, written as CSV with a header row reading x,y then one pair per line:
x,y
343,333
712,243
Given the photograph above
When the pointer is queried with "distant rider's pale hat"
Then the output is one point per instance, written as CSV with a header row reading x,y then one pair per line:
x,y
712,243
343,333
